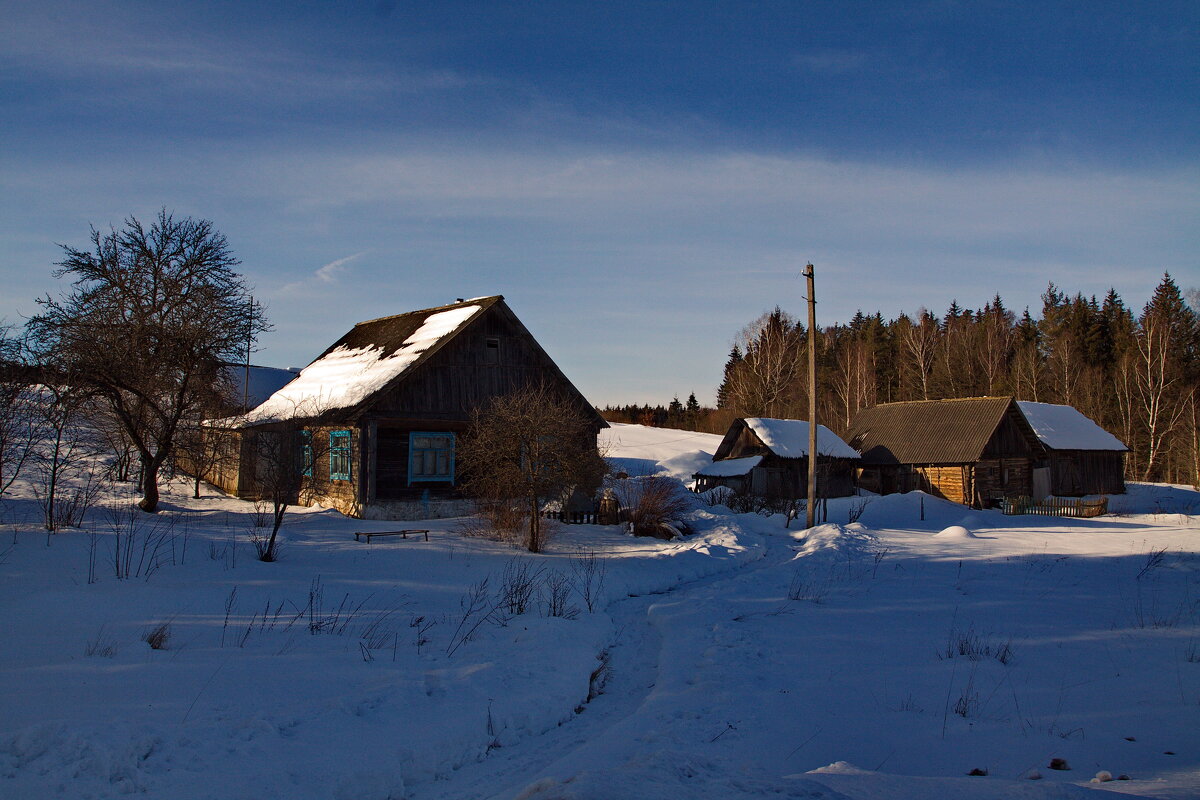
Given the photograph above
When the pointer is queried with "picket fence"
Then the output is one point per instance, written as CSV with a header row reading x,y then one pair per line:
x,y
1054,507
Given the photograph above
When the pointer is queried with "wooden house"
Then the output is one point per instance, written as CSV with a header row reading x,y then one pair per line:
x,y
1080,457
769,457
975,450
377,417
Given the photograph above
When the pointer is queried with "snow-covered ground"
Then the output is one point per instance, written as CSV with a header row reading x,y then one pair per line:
x,y
883,658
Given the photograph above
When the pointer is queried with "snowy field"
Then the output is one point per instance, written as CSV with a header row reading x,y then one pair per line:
x,y
884,658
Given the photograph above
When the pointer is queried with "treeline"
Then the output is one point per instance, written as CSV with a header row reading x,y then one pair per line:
x,y
688,415
1135,374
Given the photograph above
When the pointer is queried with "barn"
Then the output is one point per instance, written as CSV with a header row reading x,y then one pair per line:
x,y
376,418
1080,458
769,457
974,450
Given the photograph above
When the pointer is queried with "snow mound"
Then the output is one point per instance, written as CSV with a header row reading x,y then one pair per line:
x,y
837,542
955,532
840,768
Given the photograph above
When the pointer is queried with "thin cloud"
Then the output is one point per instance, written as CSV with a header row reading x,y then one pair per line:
x,y
327,274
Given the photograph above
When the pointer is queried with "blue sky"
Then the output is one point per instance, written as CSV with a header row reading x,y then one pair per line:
x,y
640,180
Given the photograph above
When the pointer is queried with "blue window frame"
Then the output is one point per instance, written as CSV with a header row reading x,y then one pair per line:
x,y
339,455
430,457
306,454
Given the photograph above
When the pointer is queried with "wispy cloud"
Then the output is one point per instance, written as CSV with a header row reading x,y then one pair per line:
x,y
141,55
327,274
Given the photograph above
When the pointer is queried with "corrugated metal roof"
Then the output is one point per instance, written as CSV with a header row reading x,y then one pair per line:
x,y
927,431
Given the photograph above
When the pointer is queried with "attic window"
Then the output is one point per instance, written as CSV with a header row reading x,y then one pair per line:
x,y
492,350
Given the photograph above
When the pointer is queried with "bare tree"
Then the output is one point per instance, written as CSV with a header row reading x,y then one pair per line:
x,y
18,418
66,481
854,378
920,343
151,316
528,447
996,335
762,382
1166,333
283,469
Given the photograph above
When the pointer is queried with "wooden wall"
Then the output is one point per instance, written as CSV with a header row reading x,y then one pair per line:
x,y
466,373
996,479
1074,473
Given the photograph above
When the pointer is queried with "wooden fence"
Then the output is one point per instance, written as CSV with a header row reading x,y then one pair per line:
x,y
572,517
1055,507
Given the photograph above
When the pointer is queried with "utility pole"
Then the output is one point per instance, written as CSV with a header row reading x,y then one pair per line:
x,y
812,399
249,343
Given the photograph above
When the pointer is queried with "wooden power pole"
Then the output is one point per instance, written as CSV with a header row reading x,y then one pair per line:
x,y
812,399
249,344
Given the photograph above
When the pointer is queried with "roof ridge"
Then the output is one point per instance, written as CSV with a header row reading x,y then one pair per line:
x,y
477,301
946,400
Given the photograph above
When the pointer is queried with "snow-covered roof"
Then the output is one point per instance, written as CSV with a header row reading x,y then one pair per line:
x,y
365,361
788,438
730,467
1066,428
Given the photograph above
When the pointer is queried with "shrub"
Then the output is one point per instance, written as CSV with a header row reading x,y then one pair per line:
x,y
653,505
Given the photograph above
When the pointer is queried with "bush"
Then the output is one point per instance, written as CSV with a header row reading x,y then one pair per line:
x,y
653,505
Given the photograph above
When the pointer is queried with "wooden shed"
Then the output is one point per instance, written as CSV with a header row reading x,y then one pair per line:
x,y
975,450
386,404
769,457
1080,458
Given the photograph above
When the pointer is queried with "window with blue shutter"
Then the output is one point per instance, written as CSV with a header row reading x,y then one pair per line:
x,y
430,457
306,454
339,455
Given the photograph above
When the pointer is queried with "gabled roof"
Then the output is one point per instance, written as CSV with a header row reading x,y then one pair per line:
x,y
786,438
367,360
927,431
1066,428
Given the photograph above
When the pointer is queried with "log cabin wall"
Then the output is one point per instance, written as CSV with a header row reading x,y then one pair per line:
x,y
949,482
338,493
1075,473
998,478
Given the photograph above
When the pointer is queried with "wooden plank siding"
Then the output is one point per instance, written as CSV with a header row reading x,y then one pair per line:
x,y
1074,473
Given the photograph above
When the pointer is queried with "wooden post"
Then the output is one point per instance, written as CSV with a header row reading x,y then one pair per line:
x,y
812,398
249,344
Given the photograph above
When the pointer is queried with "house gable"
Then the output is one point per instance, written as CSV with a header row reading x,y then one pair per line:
x,y
493,355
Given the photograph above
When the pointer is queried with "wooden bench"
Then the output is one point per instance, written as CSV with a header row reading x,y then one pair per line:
x,y
402,534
